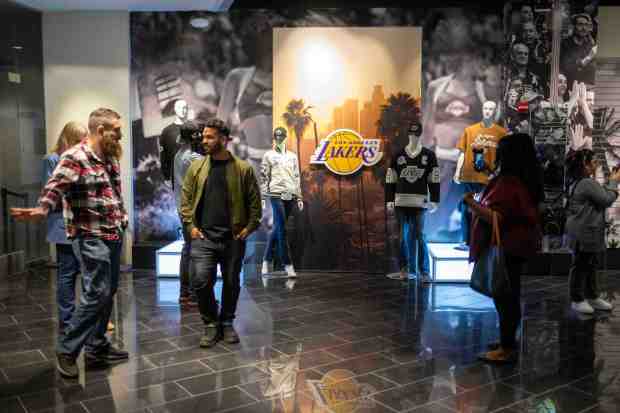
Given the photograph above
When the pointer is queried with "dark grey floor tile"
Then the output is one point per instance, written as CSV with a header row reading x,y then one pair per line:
x,y
319,342
10,360
215,381
486,398
418,394
12,405
540,381
408,373
211,402
359,365
241,358
604,386
137,400
29,371
165,374
562,400
479,374
180,356
431,408
358,348
154,347
70,408
177,331
65,396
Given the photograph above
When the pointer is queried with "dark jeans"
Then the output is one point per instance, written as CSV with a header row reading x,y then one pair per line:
x,y
509,306
413,248
466,218
185,267
68,270
100,261
206,255
277,238
583,281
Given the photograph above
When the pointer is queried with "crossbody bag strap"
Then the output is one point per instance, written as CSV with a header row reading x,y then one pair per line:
x,y
496,238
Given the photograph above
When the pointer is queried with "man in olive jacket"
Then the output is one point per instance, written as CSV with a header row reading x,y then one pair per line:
x,y
220,208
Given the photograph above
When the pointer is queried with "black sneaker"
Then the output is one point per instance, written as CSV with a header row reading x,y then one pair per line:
x,y
94,360
110,354
66,366
229,334
211,336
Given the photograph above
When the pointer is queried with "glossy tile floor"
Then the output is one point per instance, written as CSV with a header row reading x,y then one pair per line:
x,y
323,343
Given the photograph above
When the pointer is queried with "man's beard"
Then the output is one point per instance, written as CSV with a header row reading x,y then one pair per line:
x,y
111,148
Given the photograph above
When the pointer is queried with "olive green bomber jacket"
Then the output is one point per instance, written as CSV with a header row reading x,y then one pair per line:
x,y
243,192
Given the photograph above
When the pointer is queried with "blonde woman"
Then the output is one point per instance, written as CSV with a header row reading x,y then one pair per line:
x,y
68,264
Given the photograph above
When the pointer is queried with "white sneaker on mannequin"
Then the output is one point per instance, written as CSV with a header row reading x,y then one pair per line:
x,y
600,304
266,267
290,271
582,307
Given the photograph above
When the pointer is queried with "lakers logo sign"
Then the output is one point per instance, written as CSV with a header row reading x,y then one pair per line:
x,y
340,392
345,152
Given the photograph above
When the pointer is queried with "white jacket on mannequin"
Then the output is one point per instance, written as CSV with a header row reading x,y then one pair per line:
x,y
280,174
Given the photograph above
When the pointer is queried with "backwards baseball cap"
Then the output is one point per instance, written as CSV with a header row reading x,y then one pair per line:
x,y
279,132
415,127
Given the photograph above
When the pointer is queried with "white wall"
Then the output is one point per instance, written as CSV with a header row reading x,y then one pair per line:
x,y
86,66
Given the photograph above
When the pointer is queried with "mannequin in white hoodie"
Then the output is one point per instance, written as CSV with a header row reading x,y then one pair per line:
x,y
281,185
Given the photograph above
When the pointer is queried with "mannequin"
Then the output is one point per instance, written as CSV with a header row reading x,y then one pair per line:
x,y
413,175
169,140
281,184
477,160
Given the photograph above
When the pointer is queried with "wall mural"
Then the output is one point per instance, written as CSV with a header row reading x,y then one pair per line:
x,y
223,65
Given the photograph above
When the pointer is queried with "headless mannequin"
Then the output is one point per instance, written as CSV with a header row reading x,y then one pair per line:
x,y
169,140
488,119
485,131
276,174
414,147
413,254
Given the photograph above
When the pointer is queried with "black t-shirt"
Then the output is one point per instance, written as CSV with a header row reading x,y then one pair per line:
x,y
215,212
168,147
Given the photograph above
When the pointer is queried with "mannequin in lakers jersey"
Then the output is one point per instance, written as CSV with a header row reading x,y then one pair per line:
x,y
477,145
412,187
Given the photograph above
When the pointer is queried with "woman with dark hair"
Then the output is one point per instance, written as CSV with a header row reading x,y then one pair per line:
x,y
514,193
585,228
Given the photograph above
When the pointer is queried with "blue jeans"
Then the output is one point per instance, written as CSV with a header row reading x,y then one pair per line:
x,y
413,248
277,238
206,255
68,270
185,267
466,219
100,261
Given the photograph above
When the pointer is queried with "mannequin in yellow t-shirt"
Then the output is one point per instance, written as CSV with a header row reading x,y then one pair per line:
x,y
476,162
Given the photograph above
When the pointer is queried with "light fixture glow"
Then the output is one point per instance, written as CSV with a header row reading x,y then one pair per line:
x,y
199,23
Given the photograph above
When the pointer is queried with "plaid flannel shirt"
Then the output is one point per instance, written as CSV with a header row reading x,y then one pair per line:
x,y
93,205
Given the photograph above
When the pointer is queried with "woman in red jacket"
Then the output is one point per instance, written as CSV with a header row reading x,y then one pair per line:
x,y
514,193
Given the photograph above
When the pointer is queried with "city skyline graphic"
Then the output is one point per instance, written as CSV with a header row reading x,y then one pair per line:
x,y
330,70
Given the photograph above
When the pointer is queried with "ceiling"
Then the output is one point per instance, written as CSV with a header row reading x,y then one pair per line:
x,y
132,5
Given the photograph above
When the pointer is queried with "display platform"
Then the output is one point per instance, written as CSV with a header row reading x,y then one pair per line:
x,y
168,259
449,264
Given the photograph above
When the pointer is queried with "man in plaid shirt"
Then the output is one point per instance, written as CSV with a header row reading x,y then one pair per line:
x,y
87,183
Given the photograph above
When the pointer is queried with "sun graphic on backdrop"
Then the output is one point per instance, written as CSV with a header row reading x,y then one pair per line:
x,y
321,74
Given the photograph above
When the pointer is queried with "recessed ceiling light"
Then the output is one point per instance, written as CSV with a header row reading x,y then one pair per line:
x,y
199,22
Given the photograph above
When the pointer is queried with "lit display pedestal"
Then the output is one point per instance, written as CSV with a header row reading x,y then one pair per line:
x,y
168,259
449,264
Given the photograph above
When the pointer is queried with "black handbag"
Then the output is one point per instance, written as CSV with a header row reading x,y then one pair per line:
x,y
490,275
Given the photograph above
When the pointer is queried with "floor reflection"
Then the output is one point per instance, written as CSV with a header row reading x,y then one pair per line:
x,y
318,343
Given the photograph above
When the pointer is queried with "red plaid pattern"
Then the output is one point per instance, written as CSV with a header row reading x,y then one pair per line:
x,y
91,190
